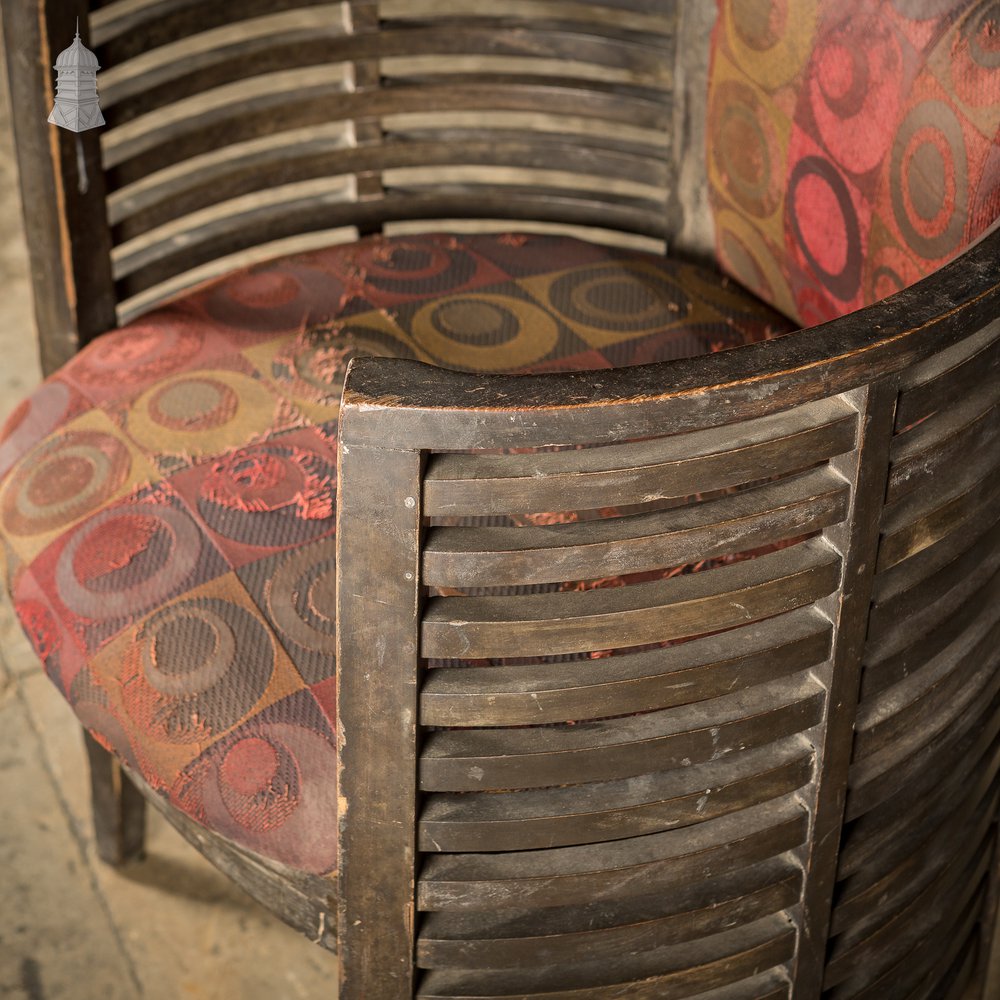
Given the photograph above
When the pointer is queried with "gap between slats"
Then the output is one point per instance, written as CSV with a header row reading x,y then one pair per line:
x,y
858,913
534,757
950,791
627,682
507,939
880,777
569,876
638,472
666,973
639,614
614,810
632,16
484,557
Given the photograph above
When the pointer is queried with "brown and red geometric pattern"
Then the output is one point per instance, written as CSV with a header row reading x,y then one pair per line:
x,y
853,145
167,499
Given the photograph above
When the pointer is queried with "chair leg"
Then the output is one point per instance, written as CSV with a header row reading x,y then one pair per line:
x,y
118,807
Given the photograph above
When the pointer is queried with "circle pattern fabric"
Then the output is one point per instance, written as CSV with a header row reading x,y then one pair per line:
x,y
70,475
853,147
126,560
196,668
168,499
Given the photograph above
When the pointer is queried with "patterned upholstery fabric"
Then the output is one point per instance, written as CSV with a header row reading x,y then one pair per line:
x,y
853,145
167,499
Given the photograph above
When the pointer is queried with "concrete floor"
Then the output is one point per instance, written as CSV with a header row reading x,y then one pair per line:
x,y
167,928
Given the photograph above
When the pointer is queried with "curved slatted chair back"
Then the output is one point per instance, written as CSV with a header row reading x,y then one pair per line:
x,y
240,130
736,780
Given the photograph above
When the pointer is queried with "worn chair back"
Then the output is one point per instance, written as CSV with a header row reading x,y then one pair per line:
x,y
237,131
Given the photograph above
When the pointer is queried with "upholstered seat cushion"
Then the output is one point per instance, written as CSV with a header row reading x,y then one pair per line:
x,y
167,499
852,148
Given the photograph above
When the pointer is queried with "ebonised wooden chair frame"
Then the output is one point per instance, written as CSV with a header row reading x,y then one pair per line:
x,y
828,850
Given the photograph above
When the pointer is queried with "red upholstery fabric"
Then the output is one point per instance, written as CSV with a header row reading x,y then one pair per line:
x,y
167,499
853,145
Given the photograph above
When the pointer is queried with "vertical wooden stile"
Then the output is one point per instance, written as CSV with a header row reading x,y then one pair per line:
x,y
62,187
692,230
367,131
378,539
987,974
866,468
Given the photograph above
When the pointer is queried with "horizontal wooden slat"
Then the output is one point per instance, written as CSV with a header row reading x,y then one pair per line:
x,y
965,433
889,634
957,967
629,682
547,624
554,204
413,57
617,475
447,50
666,973
484,557
521,51
280,219
954,372
548,936
918,520
406,103
770,985
879,777
479,760
252,107
906,591
479,225
126,15
977,396
857,942
925,974
641,16
455,126
922,974
614,810
247,40
949,792
566,876
183,237
515,176
895,653
914,704
875,966
125,24
327,150
859,909
213,108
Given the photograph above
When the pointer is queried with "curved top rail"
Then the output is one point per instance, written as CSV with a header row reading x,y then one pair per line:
x,y
419,406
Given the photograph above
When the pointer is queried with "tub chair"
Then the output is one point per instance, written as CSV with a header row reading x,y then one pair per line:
x,y
517,484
